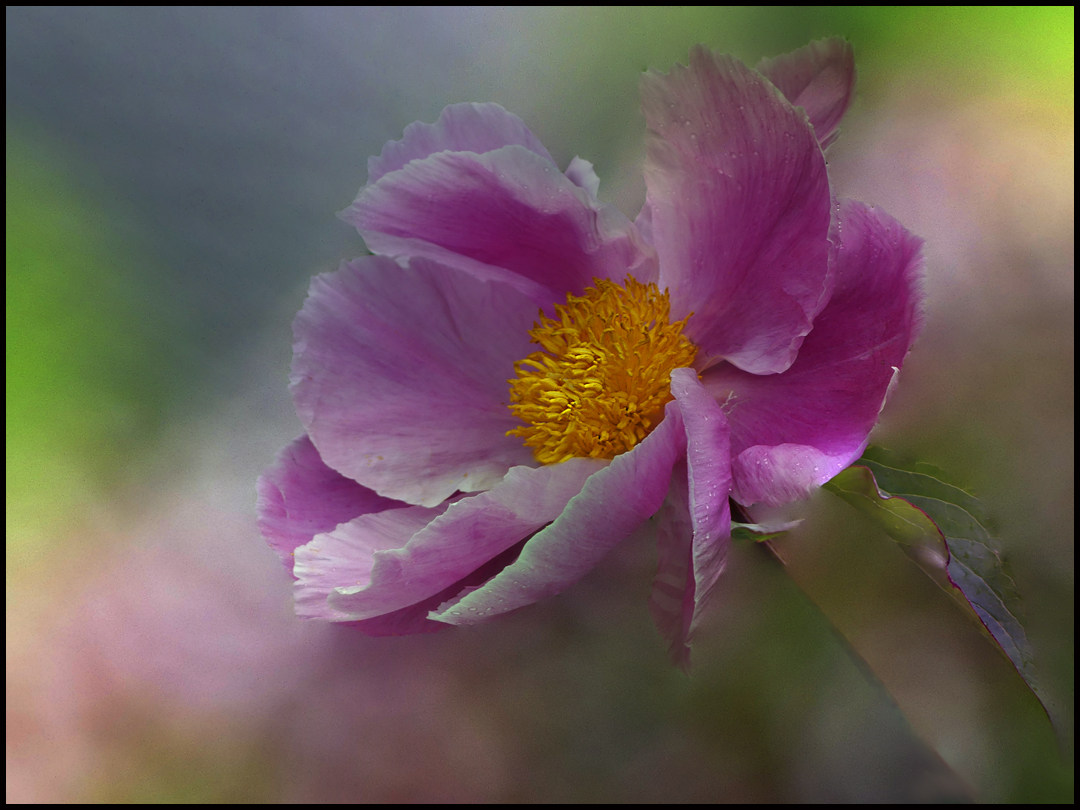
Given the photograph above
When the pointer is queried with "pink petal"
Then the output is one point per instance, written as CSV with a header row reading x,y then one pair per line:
x,y
400,377
611,505
581,173
792,432
468,127
643,223
414,618
344,556
820,78
508,213
694,526
740,211
300,497
671,602
708,456
442,551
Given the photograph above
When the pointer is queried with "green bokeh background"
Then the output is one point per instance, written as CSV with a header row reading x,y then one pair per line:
x,y
129,327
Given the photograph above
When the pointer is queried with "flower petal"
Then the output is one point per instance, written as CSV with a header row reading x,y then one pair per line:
x,y
694,524
509,211
300,497
581,173
400,377
414,618
468,127
344,557
820,78
671,602
611,505
740,211
708,457
643,223
794,431
469,533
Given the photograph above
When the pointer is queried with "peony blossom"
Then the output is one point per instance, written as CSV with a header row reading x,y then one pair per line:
x,y
519,376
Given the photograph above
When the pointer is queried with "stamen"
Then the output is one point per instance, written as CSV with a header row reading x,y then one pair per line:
x,y
600,383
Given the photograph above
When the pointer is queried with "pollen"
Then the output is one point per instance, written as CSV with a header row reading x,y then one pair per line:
x,y
601,380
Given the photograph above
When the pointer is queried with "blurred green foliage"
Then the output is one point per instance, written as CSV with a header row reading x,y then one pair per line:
x,y
85,377
1029,49
1017,48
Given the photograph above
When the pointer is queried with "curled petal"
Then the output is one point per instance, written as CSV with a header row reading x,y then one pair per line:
x,y
468,127
694,524
775,475
344,557
510,213
740,209
643,223
300,497
708,459
612,504
400,377
470,533
581,172
794,431
671,602
820,78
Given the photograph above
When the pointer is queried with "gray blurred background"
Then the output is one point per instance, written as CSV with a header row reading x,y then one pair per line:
x,y
173,176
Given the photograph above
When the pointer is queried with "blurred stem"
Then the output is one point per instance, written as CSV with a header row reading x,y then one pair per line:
x,y
777,562
770,553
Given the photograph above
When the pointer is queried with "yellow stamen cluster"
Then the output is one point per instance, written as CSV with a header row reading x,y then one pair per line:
x,y
602,380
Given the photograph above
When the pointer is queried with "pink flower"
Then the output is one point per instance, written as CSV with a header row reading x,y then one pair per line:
x,y
463,458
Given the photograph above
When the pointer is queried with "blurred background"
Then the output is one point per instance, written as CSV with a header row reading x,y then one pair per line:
x,y
172,180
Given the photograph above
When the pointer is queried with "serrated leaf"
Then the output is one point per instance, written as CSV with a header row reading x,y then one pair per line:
x,y
944,529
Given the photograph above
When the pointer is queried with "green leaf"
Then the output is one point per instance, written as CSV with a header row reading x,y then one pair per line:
x,y
944,529
910,527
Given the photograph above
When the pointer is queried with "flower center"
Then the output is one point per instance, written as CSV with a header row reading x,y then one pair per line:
x,y
602,381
